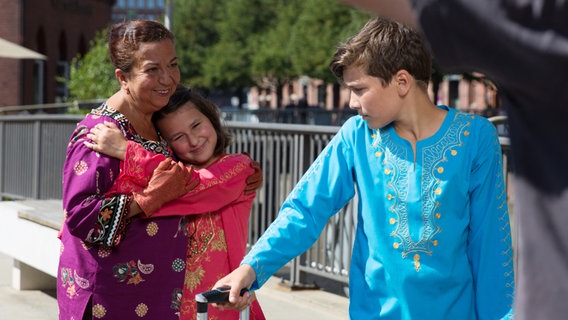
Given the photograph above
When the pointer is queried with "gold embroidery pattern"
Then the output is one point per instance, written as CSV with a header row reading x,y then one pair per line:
x,y
205,236
99,311
229,174
141,310
396,170
193,277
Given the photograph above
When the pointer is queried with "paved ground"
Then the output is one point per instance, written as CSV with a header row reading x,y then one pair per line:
x,y
278,303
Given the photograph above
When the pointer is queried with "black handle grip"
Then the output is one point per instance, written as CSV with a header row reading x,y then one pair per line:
x,y
217,295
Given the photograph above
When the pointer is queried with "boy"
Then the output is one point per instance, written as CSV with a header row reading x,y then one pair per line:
x,y
433,239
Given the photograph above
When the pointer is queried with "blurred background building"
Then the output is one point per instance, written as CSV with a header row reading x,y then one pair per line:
x,y
61,29
58,29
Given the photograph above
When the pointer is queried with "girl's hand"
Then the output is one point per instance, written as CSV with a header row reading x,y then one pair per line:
x,y
107,139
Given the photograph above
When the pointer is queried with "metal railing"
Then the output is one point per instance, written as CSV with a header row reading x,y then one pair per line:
x,y
33,147
32,152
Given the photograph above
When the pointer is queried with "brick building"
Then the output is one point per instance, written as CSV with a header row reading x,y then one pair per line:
x,y
59,29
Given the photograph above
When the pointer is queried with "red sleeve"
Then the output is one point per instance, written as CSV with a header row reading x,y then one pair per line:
x,y
222,183
136,169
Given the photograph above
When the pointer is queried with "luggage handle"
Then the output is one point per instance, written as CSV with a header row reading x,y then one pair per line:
x,y
217,295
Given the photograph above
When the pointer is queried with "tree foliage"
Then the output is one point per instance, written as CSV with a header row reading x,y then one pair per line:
x,y
229,45
92,76
240,43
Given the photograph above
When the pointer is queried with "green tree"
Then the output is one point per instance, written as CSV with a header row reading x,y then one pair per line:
x,y
195,29
228,64
92,76
320,26
271,64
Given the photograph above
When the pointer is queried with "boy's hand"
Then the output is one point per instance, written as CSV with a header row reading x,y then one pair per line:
x,y
107,139
242,277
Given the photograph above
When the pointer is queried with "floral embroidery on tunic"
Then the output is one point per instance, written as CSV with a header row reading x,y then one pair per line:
x,y
131,272
397,169
80,167
69,279
206,244
99,311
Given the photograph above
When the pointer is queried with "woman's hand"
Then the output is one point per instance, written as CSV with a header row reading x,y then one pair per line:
x,y
107,139
240,278
254,181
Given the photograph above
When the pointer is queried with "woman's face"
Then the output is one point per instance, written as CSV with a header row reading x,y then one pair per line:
x,y
154,76
190,134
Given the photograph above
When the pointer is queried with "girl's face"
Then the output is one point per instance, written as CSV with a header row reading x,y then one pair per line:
x,y
377,104
190,134
154,77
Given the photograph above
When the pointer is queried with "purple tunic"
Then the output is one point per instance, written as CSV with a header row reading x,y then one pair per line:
x,y
130,268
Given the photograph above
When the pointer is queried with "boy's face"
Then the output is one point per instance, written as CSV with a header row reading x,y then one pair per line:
x,y
377,104
190,134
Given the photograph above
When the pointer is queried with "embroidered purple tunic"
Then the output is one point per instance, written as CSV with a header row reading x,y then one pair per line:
x,y
130,268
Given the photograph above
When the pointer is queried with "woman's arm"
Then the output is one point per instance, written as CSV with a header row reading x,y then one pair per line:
x,y
86,178
152,178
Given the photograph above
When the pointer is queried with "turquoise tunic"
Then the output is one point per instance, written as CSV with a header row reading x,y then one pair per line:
x,y
433,238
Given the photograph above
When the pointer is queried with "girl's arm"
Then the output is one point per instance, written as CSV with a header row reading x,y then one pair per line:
x,y
220,184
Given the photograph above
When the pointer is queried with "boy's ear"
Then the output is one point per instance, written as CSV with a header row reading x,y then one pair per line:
x,y
403,81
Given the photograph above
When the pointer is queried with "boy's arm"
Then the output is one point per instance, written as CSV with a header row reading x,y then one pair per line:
x,y
323,190
489,240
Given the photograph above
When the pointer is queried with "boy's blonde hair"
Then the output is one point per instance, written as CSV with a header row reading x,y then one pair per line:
x,y
382,48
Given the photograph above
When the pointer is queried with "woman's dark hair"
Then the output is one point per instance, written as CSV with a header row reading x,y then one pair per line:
x,y
125,38
184,95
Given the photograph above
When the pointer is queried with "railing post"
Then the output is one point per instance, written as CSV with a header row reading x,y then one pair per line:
x,y
3,153
36,159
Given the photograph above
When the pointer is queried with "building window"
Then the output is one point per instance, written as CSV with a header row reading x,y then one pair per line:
x,y
121,4
38,80
62,75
